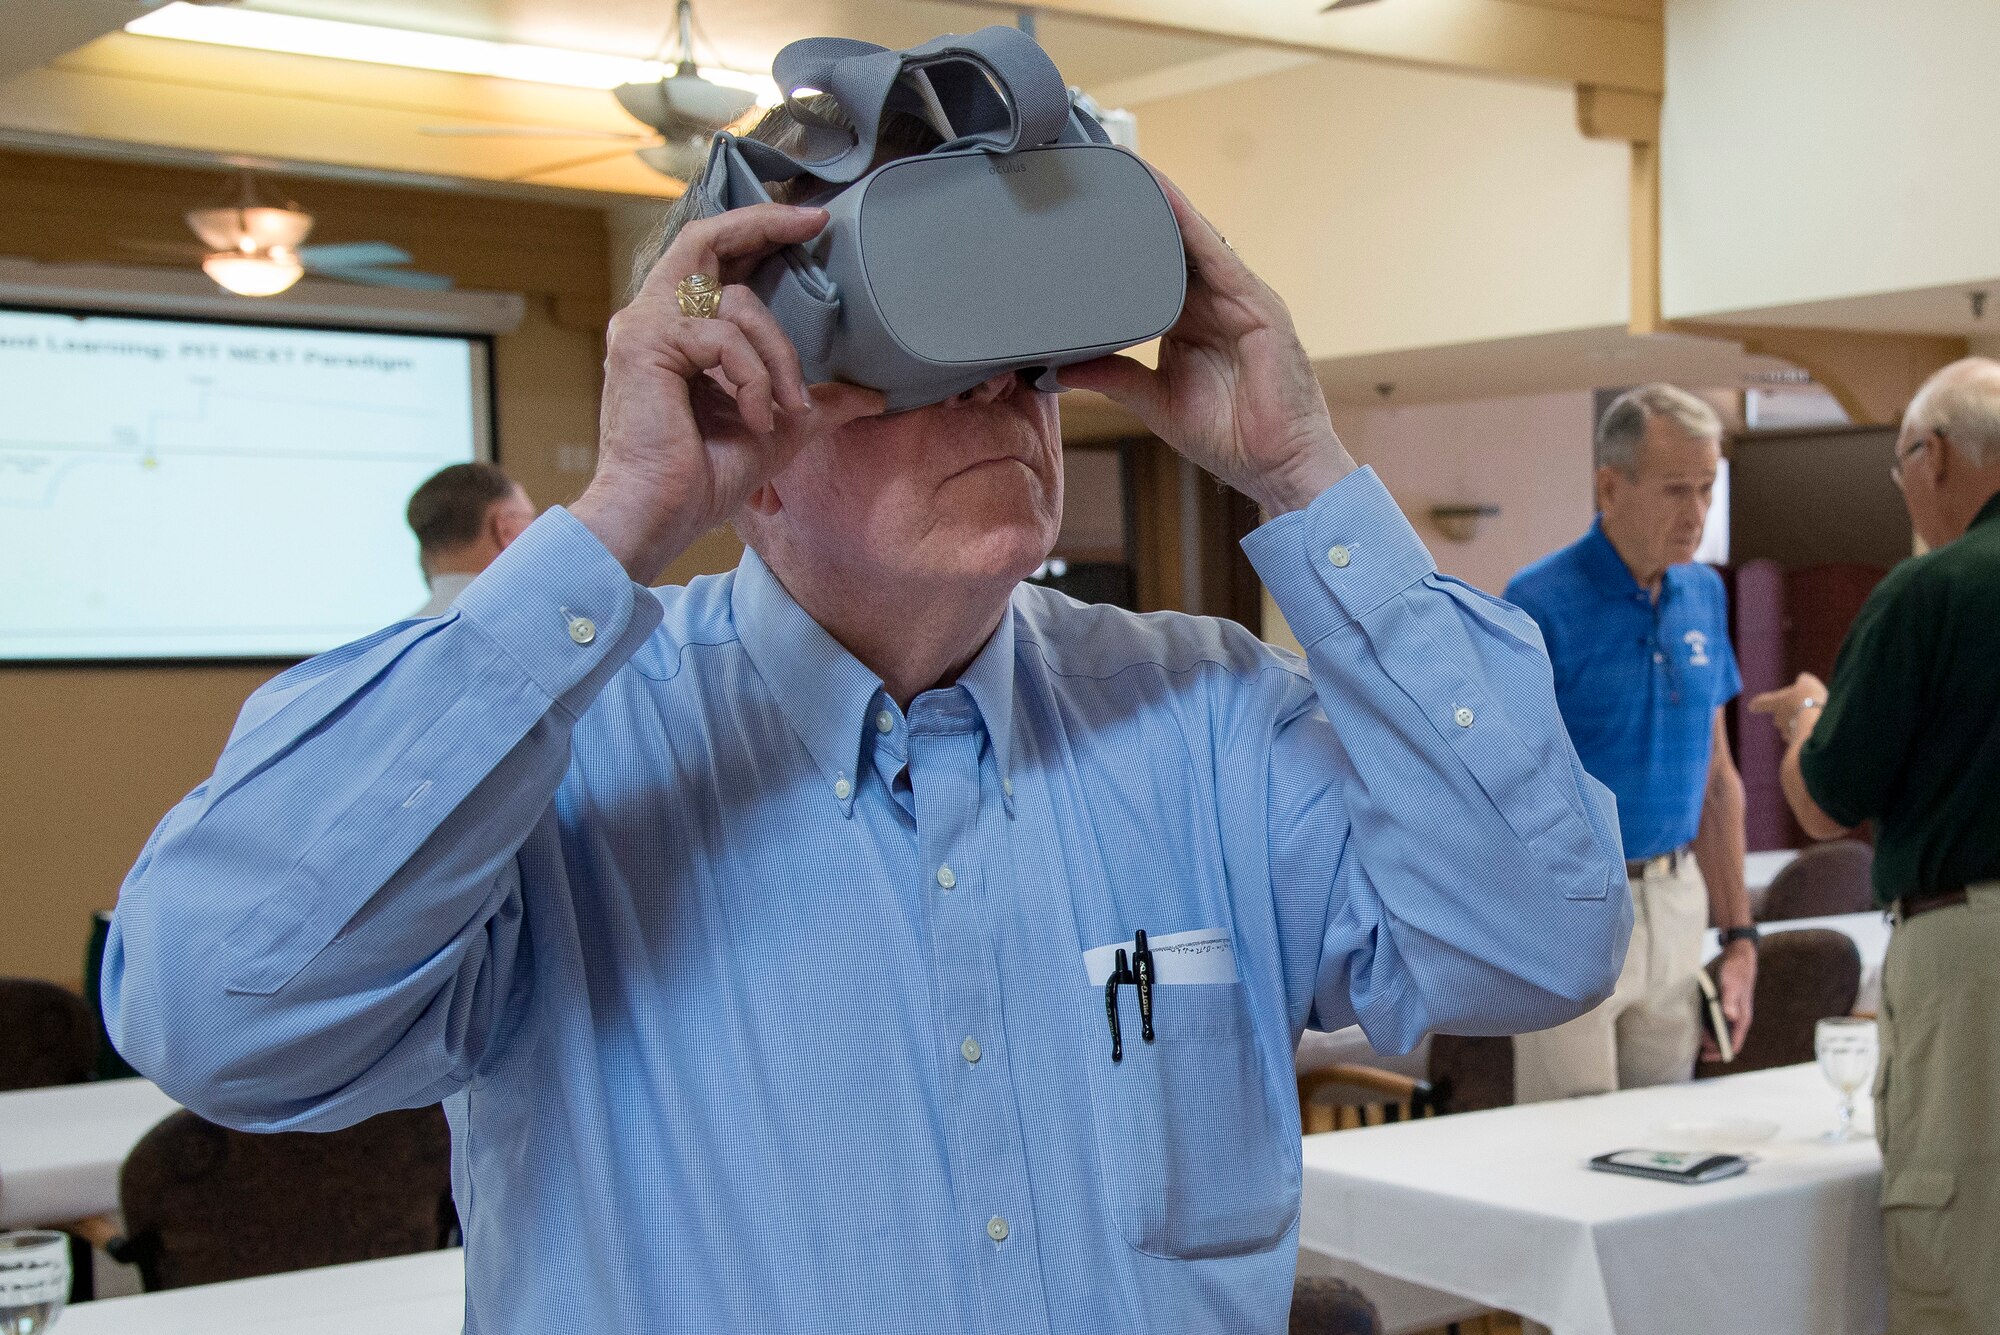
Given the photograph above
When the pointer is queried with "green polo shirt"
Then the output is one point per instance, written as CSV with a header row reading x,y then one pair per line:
x,y
1911,734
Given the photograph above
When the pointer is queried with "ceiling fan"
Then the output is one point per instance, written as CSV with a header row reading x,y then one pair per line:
x,y
683,110
258,250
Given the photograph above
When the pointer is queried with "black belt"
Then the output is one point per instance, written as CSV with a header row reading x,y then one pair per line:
x,y
1635,871
1909,906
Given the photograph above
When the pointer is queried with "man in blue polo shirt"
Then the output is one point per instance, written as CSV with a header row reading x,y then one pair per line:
x,y
1639,639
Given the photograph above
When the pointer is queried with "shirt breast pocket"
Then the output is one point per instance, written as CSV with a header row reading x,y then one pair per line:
x,y
1194,1153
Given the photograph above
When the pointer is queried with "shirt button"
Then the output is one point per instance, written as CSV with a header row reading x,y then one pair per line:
x,y
1659,658
1462,717
969,1050
947,877
582,629
841,788
1007,787
885,722
996,1229
1339,555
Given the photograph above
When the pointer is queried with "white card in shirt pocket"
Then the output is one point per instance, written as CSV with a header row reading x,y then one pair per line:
x,y
1204,955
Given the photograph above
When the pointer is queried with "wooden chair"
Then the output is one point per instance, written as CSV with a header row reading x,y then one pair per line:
x,y
1804,976
1822,881
1344,1097
203,1203
47,1035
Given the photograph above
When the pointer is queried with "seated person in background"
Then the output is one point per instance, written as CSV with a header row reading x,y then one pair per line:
x,y
464,516
756,933
1639,636
1909,738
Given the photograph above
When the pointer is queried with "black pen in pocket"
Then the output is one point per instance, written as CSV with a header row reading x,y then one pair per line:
x,y
1142,979
1121,972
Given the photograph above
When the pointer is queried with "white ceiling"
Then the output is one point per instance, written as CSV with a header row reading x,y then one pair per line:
x,y
746,34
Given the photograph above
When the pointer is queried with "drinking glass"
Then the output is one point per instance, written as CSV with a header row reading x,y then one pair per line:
x,y
34,1280
1846,1049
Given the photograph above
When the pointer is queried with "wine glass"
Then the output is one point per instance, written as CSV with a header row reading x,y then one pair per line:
x,y
1846,1049
34,1280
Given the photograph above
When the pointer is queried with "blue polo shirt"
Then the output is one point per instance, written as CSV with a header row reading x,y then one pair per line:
x,y
1638,682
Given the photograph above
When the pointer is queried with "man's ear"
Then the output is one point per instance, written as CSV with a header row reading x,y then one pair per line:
x,y
1940,461
765,500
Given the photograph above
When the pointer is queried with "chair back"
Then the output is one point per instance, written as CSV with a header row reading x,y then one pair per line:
x,y
1824,880
47,1035
1469,1074
203,1203
1344,1097
110,1066
1323,1305
1804,976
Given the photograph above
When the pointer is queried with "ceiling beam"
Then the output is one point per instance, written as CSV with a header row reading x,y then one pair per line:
x,y
1610,43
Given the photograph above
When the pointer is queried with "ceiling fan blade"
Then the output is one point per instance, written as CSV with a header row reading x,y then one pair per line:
x,y
352,255
567,163
684,104
179,250
524,132
410,278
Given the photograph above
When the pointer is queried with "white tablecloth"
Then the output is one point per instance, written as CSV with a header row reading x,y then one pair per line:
x,y
61,1148
1868,931
1498,1207
405,1295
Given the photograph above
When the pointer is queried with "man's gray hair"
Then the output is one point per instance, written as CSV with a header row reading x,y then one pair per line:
x,y
1962,404
1623,429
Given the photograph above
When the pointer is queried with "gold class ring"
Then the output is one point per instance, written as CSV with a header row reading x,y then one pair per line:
x,y
699,295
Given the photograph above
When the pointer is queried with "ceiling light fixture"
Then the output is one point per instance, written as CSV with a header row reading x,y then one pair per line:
x,y
257,30
254,275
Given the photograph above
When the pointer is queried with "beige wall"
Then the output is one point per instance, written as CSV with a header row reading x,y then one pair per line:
x,y
93,756
1815,149
1528,455
1400,208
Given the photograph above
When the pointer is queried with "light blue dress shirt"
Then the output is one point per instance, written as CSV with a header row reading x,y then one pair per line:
x,y
758,1004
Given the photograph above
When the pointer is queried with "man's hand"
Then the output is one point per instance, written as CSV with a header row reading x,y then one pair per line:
x,y
699,413
1234,390
1785,704
1739,986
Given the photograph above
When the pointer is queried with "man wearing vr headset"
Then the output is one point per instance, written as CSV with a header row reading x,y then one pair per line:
x,y
775,942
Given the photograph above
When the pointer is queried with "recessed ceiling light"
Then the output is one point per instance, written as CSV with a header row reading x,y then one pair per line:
x,y
257,30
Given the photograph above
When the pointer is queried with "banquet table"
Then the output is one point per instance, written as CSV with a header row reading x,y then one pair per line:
x,y
61,1147
1793,1247
404,1295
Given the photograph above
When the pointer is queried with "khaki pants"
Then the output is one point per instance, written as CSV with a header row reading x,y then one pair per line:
x,y
1649,1031
1937,1116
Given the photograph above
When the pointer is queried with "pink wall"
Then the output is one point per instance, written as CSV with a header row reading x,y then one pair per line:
x,y
1528,455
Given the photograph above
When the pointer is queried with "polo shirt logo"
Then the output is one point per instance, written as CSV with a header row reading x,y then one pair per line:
x,y
1697,644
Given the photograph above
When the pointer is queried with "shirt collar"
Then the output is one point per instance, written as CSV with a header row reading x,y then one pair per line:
x,y
1608,572
1988,513
826,694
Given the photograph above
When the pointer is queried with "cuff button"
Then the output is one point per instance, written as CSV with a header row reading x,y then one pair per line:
x,y
1340,556
582,629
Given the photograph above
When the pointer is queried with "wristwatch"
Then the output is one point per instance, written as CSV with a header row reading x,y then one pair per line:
x,y
1731,935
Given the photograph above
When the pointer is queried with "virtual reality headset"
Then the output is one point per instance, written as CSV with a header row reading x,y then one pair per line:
x,y
1024,242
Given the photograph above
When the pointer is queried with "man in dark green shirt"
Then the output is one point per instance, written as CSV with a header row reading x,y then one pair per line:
x,y
1909,737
